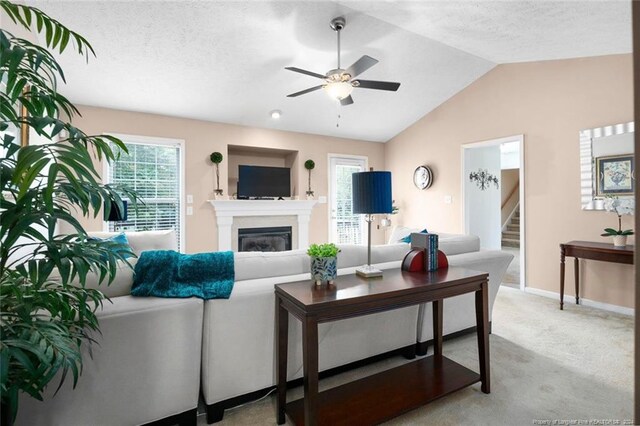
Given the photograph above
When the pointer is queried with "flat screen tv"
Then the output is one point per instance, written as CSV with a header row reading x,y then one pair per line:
x,y
259,181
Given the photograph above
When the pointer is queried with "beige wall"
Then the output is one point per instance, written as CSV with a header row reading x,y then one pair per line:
x,y
549,102
509,181
202,138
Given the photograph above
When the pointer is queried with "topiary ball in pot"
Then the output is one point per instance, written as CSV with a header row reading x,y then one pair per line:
x,y
309,165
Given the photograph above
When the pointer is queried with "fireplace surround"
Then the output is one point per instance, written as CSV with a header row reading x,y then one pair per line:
x,y
237,214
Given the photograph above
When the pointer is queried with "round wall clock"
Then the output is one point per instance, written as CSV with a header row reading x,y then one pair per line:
x,y
422,177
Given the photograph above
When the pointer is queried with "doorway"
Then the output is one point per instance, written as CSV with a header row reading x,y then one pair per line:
x,y
493,199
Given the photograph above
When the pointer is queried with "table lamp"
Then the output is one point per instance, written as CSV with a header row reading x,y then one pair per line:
x,y
115,214
371,195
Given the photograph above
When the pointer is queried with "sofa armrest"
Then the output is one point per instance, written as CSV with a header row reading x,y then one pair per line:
x,y
459,311
149,350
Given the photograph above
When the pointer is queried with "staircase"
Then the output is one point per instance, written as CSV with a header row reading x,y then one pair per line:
x,y
511,237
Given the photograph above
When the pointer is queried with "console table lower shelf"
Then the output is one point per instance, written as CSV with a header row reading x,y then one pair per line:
x,y
385,395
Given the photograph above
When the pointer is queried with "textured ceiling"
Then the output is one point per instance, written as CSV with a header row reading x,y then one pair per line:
x,y
224,61
514,31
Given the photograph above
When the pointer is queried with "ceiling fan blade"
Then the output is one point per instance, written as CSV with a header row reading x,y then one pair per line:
x,y
301,71
378,85
302,92
361,65
346,101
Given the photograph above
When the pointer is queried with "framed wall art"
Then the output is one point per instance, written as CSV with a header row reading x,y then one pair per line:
x,y
615,174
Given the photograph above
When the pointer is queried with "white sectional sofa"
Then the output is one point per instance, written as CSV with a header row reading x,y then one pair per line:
x,y
238,355
156,354
146,367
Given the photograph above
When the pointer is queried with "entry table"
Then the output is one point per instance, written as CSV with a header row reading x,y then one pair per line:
x,y
384,395
593,251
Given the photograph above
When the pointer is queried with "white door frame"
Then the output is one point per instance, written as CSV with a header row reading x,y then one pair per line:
x,y
493,142
330,156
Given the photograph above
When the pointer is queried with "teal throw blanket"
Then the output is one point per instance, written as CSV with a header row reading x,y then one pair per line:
x,y
167,273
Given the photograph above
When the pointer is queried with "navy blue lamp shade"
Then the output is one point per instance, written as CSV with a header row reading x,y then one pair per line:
x,y
115,214
371,192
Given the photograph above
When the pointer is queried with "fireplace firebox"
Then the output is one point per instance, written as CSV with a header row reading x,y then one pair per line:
x,y
265,239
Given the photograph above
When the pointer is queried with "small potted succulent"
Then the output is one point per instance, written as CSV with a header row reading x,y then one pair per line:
x,y
324,262
620,208
216,158
309,165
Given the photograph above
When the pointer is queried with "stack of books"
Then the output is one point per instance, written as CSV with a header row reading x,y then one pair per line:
x,y
431,254
428,243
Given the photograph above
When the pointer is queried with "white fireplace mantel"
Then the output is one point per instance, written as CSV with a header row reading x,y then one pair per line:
x,y
226,210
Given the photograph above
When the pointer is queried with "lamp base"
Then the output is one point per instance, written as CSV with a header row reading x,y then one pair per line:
x,y
368,271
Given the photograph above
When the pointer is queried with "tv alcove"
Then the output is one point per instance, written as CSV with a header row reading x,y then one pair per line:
x,y
259,156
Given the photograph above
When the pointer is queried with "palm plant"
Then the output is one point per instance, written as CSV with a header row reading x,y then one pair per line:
x,y
46,313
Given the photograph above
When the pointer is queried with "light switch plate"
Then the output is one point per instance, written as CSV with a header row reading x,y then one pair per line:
x,y
189,199
189,211
448,199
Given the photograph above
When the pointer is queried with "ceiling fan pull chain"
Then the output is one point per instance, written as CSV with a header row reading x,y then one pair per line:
x,y
338,114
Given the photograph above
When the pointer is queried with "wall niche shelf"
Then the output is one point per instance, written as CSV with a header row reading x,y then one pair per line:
x,y
260,156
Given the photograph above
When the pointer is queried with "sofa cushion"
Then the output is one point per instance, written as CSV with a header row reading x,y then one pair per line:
x,y
120,286
255,264
120,238
145,240
389,252
139,242
400,232
407,239
450,244
351,255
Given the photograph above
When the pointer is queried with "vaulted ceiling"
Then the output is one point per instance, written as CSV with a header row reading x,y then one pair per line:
x,y
224,61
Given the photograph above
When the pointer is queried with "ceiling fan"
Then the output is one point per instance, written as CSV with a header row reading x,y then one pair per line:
x,y
339,83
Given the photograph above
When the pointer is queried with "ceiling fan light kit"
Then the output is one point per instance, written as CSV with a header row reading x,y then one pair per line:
x,y
339,83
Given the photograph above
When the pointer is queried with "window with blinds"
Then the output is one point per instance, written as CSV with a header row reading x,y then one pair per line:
x,y
153,171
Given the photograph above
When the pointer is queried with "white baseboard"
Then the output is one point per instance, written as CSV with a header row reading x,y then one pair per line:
x,y
586,302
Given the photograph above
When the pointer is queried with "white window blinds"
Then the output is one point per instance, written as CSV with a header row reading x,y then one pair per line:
x,y
153,171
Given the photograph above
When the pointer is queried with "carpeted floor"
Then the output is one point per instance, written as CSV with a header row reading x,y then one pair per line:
x,y
546,364
512,276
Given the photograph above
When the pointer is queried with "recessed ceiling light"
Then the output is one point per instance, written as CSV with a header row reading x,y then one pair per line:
x,y
276,114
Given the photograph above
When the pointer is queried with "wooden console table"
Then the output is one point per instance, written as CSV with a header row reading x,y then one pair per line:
x,y
594,251
384,395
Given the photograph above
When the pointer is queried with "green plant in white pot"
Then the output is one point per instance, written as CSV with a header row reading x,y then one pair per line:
x,y
620,207
324,262
47,316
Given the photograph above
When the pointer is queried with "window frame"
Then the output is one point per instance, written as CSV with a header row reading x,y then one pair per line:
x,y
356,159
153,140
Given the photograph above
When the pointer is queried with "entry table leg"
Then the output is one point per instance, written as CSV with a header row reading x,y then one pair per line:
x,y
561,276
437,327
482,325
282,327
310,370
576,265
